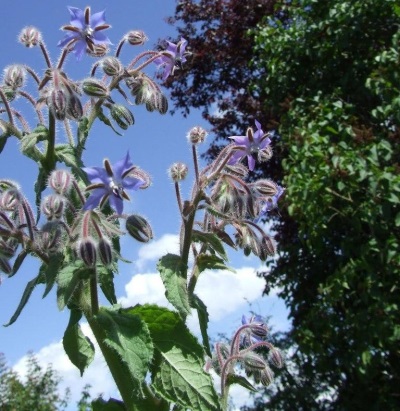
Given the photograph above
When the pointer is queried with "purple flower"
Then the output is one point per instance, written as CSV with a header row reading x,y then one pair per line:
x,y
255,331
271,203
110,183
85,31
172,58
250,144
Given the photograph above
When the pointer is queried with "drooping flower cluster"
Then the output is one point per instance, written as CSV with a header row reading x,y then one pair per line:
x,y
244,350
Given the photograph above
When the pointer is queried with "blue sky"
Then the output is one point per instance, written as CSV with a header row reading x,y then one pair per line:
x,y
154,142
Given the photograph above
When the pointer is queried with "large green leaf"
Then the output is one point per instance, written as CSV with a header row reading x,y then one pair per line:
x,y
129,338
177,369
211,262
173,275
77,346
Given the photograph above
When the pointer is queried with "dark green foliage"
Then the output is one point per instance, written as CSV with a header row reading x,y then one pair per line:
x,y
39,392
328,78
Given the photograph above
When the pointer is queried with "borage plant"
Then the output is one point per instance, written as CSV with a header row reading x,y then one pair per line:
x,y
75,229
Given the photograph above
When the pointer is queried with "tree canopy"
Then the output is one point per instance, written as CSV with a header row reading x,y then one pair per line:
x,y
325,75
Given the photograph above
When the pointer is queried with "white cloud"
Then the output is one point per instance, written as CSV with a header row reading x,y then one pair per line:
x,y
168,243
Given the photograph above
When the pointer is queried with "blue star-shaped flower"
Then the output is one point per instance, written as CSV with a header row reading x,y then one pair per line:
x,y
174,56
249,144
110,183
85,31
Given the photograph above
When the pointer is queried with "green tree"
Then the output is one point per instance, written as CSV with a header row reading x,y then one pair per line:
x,y
38,392
336,68
328,72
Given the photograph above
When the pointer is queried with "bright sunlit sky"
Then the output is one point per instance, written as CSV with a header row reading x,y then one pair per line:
x,y
154,142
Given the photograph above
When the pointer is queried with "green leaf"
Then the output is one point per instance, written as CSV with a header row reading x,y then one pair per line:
x,y
173,275
128,336
111,405
68,155
211,262
238,379
77,346
18,261
106,281
68,280
25,298
106,120
177,369
202,313
211,241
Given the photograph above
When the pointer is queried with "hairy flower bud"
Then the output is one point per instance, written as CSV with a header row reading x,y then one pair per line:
x,y
136,37
265,187
95,88
105,251
14,76
253,361
74,110
86,250
97,50
178,171
10,199
139,228
51,237
265,154
122,116
265,376
53,206
30,36
196,135
60,181
57,102
275,357
111,66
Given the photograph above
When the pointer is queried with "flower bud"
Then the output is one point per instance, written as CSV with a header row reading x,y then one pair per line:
x,y
87,251
97,50
74,110
105,251
53,206
111,66
57,103
10,199
136,38
95,88
51,238
122,116
139,228
178,171
265,187
30,36
253,361
265,154
266,376
14,76
275,357
197,135
60,181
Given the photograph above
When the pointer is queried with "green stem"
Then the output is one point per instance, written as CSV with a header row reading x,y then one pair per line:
x,y
49,162
94,296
